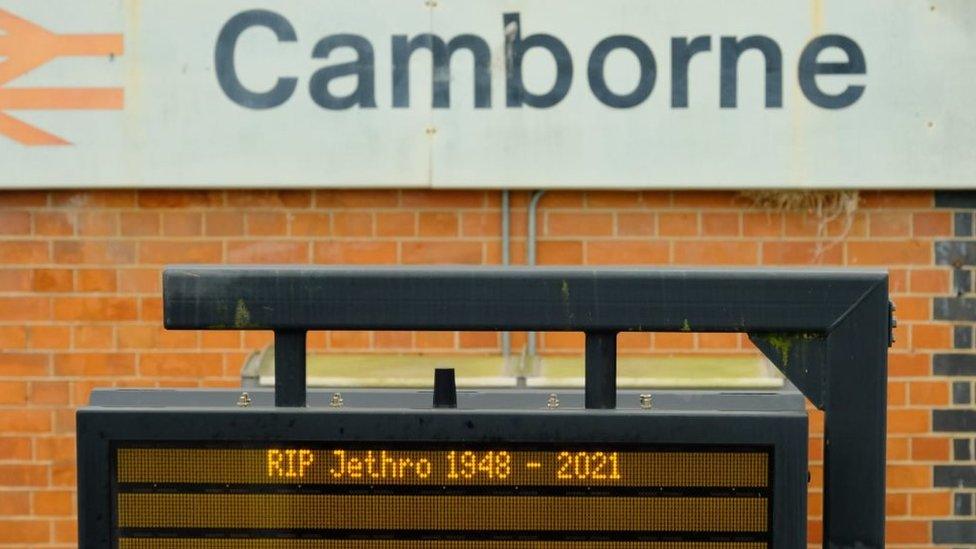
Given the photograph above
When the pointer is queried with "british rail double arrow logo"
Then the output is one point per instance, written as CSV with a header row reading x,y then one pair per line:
x,y
25,46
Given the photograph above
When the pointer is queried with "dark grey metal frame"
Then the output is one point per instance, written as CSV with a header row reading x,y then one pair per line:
x,y
828,331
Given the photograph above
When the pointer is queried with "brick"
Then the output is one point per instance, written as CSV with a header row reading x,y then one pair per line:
x,y
677,224
310,224
24,531
472,223
93,337
266,224
341,198
707,199
954,420
962,224
674,340
954,364
180,199
396,224
53,503
220,223
955,199
559,200
95,308
908,252
20,199
151,310
156,337
962,281
957,253
14,365
962,392
890,224
15,280
622,252
441,252
930,449
267,251
897,393
55,448
355,252
908,421
613,199
896,199
50,337
559,252
99,223
24,308
14,222
139,281
909,476
49,393
192,365
13,392
212,339
14,449
53,280
24,252
636,224
94,252
578,224
353,339
954,476
953,531
563,340
962,505
931,505
393,340
180,223
139,223
478,340
801,253
54,223
931,336
634,341
13,337
14,502
352,224
434,340
762,224
24,421
912,308
442,199
266,198
437,224
923,281
897,281
88,198
720,224
926,224
717,252
96,280
176,251
954,308
906,531
94,364
896,505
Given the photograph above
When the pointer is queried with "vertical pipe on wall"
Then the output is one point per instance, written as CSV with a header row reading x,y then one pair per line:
x,y
530,345
506,260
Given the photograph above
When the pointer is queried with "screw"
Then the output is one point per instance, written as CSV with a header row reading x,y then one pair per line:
x,y
553,401
244,400
646,401
336,401
431,3
431,130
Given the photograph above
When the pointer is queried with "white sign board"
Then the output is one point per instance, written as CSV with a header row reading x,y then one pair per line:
x,y
488,93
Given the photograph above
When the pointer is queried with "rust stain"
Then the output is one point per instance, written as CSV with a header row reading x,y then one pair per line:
x,y
27,46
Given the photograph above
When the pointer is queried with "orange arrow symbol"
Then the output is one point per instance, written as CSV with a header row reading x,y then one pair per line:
x,y
27,46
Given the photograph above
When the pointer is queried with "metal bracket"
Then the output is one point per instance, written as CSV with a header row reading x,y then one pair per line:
x,y
827,331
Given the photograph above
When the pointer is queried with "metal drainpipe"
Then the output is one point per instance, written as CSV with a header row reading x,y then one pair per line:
x,y
530,260
506,261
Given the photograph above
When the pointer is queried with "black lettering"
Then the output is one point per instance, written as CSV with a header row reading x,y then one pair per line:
x,y
227,71
732,49
809,68
515,48
441,70
597,77
681,53
361,68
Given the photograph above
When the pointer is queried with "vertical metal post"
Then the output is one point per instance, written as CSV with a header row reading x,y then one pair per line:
x,y
290,368
601,370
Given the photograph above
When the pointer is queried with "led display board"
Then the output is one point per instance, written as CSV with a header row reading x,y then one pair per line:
x,y
483,494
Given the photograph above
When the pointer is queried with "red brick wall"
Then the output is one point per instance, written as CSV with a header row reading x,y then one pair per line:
x,y
80,302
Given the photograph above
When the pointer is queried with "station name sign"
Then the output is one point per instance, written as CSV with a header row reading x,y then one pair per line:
x,y
492,94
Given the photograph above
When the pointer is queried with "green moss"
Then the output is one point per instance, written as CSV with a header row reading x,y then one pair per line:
x,y
242,317
685,326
